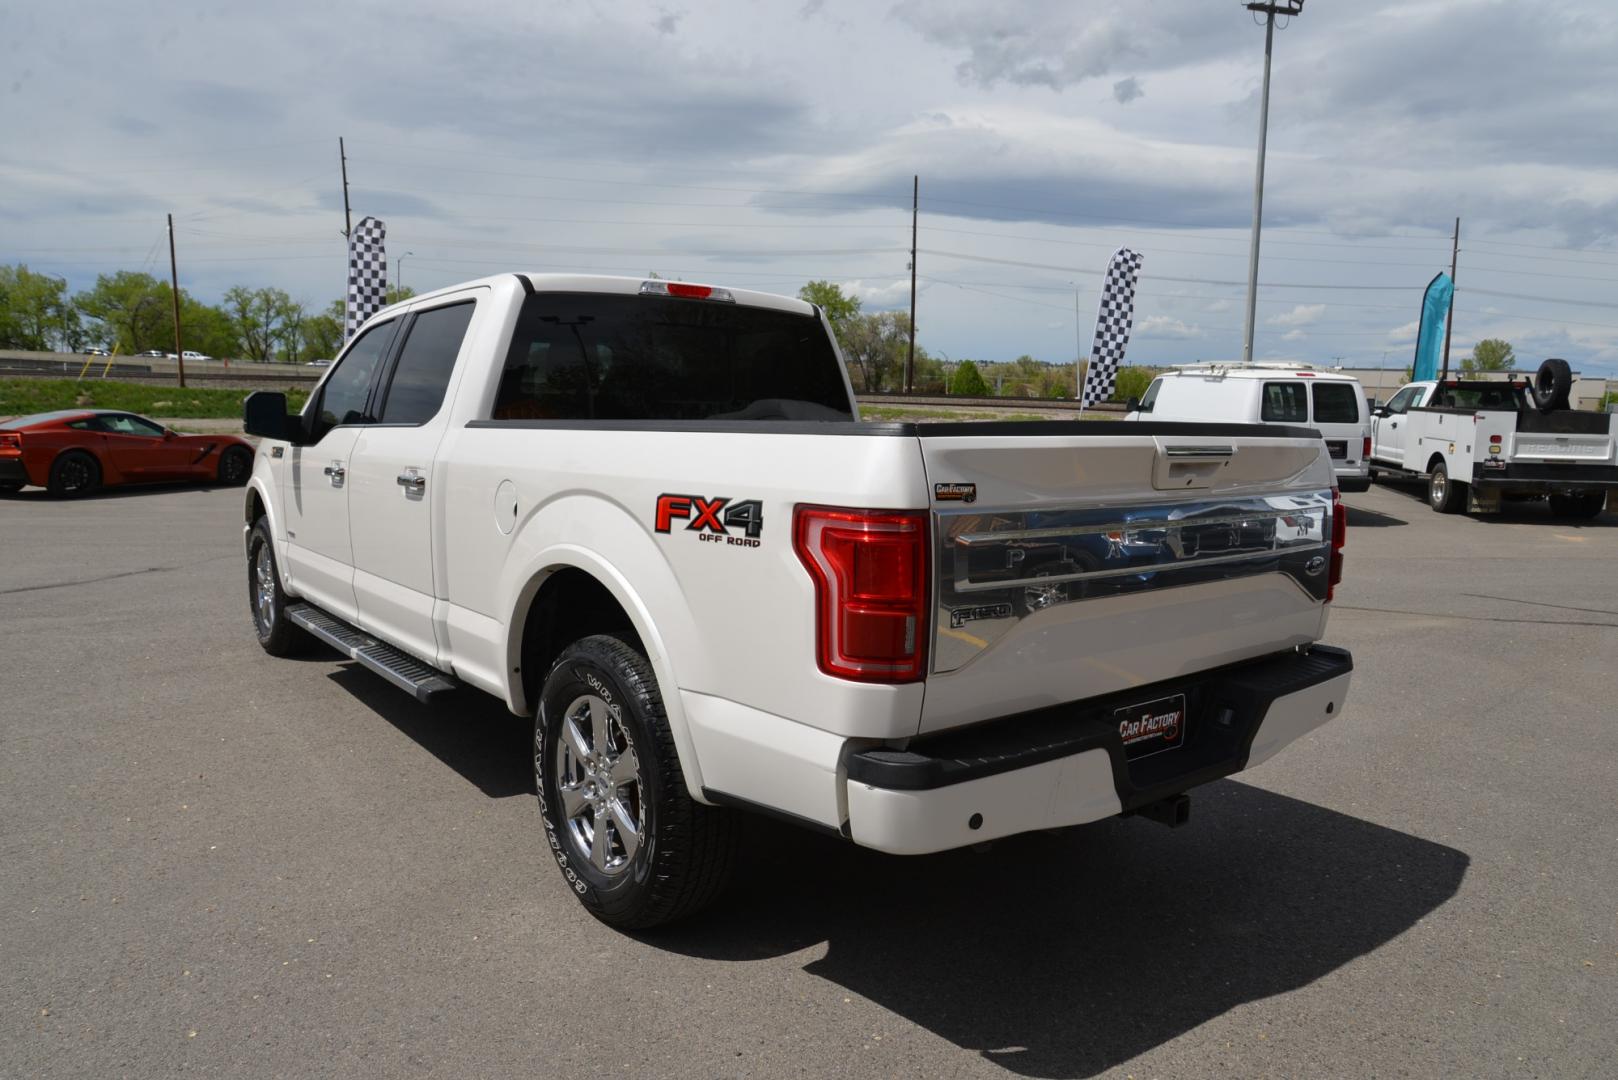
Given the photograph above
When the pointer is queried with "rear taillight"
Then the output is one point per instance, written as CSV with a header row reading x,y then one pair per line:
x,y
1339,535
1365,447
871,590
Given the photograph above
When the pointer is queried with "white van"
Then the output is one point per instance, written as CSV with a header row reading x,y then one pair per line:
x,y
1328,401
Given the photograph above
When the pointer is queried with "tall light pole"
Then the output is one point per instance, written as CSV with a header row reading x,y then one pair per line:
x,y
398,276
1269,11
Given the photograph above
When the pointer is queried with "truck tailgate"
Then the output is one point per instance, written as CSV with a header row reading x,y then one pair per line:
x,y
1103,556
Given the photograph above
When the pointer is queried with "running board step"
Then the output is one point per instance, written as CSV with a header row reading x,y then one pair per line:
x,y
400,669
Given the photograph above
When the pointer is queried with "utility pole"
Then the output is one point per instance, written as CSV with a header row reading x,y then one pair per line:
x,y
1449,315
1078,344
1269,11
348,218
174,278
398,276
910,360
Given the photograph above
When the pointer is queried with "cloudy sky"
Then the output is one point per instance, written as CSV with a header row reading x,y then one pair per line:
x,y
763,144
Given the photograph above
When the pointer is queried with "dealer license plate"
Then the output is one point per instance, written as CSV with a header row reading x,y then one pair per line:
x,y
1337,448
1152,726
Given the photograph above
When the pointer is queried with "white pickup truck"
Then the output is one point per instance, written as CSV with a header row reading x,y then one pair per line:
x,y
1479,441
645,515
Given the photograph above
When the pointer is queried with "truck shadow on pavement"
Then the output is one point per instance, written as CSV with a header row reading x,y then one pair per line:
x,y
1521,512
1360,518
1063,954
471,732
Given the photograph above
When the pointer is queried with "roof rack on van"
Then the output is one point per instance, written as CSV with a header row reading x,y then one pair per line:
x,y
1239,365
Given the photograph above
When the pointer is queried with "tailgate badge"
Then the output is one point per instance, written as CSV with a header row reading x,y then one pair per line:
x,y
955,492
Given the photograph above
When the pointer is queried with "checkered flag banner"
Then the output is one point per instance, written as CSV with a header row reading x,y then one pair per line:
x,y
367,273
1113,323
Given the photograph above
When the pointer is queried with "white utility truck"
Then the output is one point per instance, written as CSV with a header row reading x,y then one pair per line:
x,y
644,513
1479,441
1270,393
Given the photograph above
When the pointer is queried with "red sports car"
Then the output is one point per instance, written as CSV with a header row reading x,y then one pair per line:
x,y
75,451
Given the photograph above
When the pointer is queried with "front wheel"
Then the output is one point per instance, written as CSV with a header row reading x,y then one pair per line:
x,y
1585,504
277,635
1445,495
633,845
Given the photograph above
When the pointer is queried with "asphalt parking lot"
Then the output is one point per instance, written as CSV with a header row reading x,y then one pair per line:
x,y
213,862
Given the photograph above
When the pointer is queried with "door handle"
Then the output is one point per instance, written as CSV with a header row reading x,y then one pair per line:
x,y
413,482
336,471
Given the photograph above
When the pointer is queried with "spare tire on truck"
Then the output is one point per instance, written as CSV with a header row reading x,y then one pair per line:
x,y
1552,384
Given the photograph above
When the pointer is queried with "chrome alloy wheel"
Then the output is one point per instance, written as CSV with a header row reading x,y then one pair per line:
x,y
264,589
598,781
1439,487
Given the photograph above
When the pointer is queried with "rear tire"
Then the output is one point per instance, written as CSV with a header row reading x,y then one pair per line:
x,y
1584,505
1445,495
74,473
632,844
235,466
266,600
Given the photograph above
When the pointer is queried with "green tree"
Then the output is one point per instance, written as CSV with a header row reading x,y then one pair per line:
x,y
323,333
134,311
399,295
1131,383
1490,354
206,328
289,331
875,344
929,373
829,297
257,315
968,381
35,312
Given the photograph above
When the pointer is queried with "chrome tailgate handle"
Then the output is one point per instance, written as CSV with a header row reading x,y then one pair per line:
x,y
1199,453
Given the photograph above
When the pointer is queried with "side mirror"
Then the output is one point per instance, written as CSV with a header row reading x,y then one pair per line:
x,y
1382,410
1132,405
168,435
264,414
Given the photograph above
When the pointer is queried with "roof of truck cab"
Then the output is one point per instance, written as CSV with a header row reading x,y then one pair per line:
x,y
603,283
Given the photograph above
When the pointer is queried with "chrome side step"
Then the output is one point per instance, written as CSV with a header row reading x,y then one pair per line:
x,y
399,668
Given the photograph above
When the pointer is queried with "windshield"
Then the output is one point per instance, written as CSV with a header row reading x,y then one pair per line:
x,y
595,356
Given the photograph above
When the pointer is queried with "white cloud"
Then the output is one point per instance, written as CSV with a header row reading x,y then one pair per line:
x,y
1301,315
1294,335
875,297
1404,335
1163,327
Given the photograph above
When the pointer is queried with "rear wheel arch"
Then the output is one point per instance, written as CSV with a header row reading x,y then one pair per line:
x,y
539,629
1436,459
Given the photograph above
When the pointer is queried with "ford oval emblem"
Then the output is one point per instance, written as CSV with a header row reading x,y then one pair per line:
x,y
1315,565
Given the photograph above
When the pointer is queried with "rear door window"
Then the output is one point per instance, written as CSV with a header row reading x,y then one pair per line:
x,y
595,356
1285,403
421,376
1336,403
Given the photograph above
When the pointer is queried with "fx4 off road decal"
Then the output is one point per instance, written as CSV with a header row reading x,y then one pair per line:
x,y
716,520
